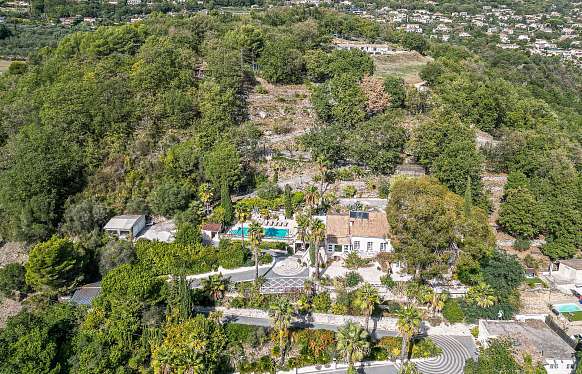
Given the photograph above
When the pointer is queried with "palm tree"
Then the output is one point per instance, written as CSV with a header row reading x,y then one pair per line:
x,y
308,287
281,312
409,320
367,298
311,197
256,237
316,236
352,343
482,295
216,286
302,226
205,195
242,215
437,302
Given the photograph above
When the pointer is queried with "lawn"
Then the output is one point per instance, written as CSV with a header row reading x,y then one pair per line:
x,y
406,65
533,282
573,316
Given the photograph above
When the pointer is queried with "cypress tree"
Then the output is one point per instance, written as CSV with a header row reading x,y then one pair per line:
x,y
226,203
288,202
468,197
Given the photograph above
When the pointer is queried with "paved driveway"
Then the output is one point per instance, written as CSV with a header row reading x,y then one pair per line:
x,y
456,350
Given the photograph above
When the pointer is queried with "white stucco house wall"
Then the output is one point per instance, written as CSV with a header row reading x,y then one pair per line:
x,y
568,276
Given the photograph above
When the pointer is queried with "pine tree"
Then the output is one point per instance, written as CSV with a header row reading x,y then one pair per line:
x,y
226,203
468,197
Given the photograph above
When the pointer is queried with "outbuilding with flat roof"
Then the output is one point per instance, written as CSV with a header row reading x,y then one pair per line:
x,y
126,226
535,337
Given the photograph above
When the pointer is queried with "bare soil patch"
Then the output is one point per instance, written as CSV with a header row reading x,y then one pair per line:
x,y
4,64
8,308
13,252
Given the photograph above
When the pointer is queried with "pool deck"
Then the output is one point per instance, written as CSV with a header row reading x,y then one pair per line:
x,y
567,308
279,223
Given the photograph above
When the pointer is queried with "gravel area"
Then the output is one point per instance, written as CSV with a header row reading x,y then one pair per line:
x,y
8,308
12,252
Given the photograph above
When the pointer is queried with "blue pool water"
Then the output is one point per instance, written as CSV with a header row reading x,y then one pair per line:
x,y
269,232
567,308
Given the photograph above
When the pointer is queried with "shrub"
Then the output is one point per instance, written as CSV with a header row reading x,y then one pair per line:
x,y
452,311
268,191
244,334
188,234
265,259
84,216
115,253
169,198
54,265
12,280
473,312
315,344
388,348
339,309
353,279
322,302
231,254
387,281
172,258
521,244
354,261
349,191
282,128
383,190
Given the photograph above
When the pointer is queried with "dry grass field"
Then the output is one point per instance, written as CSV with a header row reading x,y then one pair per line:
x,y
4,64
406,65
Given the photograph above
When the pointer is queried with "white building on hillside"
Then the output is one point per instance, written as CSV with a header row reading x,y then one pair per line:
x,y
126,226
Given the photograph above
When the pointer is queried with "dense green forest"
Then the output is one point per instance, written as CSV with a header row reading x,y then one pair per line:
x,y
152,118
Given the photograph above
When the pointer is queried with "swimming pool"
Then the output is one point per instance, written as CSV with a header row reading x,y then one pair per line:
x,y
269,232
567,308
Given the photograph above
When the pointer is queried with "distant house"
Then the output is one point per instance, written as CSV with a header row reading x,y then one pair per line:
x,y
369,48
210,232
410,170
126,226
360,231
535,337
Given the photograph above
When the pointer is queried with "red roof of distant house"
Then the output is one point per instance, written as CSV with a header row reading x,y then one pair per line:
x,y
212,227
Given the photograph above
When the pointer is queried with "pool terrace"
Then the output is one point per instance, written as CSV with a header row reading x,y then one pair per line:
x,y
273,229
571,311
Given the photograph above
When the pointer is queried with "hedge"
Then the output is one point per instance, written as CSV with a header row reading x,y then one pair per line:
x,y
172,258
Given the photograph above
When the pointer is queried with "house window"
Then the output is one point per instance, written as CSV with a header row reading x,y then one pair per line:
x,y
338,248
369,246
357,245
330,247
346,248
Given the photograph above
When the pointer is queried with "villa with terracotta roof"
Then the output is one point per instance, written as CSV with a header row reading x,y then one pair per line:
x,y
361,231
